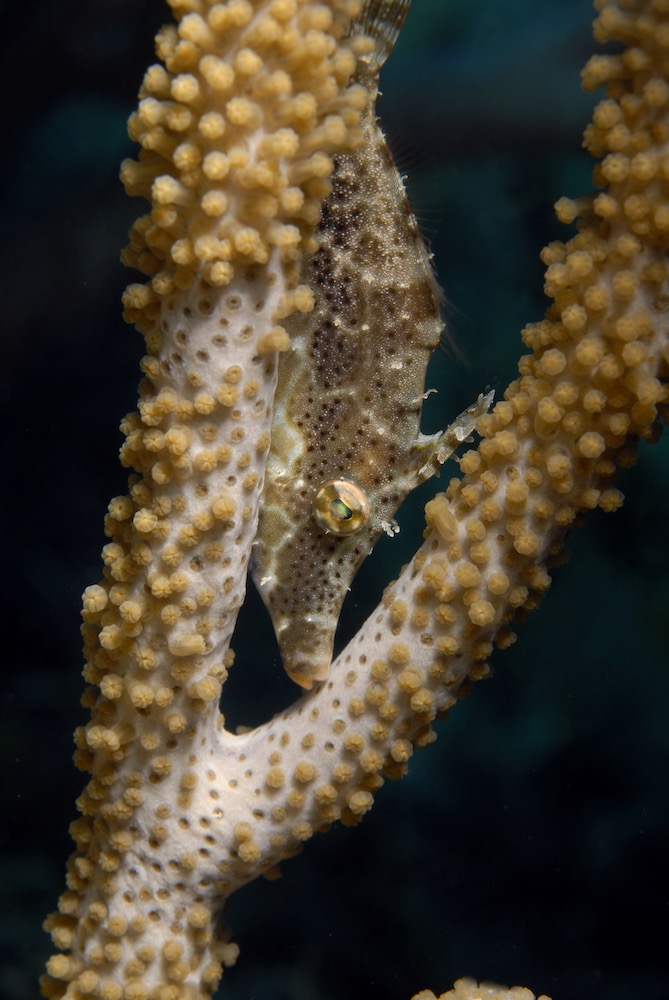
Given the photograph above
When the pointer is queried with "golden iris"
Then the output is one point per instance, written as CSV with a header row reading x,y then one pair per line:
x,y
341,507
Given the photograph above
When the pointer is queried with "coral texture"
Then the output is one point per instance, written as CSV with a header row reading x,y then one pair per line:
x,y
179,812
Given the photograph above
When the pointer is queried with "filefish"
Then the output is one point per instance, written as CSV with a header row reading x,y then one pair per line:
x,y
346,447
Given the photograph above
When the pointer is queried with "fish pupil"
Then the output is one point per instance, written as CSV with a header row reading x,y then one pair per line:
x,y
340,510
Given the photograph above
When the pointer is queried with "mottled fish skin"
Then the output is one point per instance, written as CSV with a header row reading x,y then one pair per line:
x,y
349,398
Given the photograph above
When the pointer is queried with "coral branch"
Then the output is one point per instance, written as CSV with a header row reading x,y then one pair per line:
x,y
180,812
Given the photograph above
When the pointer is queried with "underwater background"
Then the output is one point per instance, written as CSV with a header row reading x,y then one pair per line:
x,y
529,843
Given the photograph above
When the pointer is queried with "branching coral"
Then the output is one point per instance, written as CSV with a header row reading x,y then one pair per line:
x,y
180,812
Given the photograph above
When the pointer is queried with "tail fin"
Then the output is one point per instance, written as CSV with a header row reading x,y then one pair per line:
x,y
382,21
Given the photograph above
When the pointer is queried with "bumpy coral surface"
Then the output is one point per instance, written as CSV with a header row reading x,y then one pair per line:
x,y
178,812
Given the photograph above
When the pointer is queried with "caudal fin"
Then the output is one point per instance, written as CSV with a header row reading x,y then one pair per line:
x,y
382,21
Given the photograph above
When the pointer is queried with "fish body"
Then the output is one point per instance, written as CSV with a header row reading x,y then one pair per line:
x,y
346,447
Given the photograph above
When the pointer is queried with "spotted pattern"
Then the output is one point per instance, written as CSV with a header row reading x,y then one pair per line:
x,y
350,391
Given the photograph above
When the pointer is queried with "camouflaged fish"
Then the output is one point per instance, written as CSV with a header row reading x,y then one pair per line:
x,y
346,447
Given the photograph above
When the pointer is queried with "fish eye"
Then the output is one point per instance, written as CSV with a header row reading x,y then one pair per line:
x,y
341,507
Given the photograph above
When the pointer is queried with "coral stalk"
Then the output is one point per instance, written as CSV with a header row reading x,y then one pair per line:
x,y
179,812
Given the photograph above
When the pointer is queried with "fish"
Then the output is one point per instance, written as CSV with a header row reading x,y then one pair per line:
x,y
346,447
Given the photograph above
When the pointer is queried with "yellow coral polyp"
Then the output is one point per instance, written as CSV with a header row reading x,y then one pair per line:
x,y
229,71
